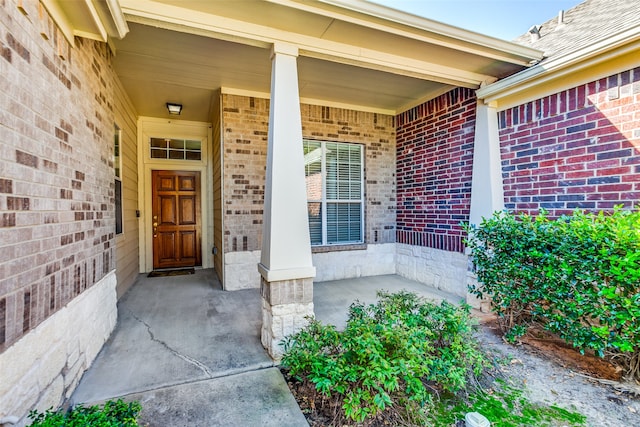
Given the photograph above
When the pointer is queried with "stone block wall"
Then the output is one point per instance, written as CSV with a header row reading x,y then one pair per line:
x,y
57,219
241,270
286,306
444,270
244,144
434,167
577,149
44,367
374,260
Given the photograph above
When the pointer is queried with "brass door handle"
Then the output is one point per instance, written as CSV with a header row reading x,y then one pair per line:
x,y
155,226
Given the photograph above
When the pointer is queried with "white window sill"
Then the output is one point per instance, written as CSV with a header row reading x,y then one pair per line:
x,y
338,248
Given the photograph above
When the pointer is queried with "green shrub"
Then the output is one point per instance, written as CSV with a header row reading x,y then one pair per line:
x,y
577,275
391,355
111,414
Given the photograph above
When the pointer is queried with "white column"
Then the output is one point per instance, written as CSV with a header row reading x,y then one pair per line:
x,y
286,247
285,265
487,192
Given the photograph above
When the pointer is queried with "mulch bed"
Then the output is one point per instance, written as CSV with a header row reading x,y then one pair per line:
x,y
551,347
320,411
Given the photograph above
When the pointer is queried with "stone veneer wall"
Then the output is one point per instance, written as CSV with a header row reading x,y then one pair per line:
x,y
444,270
375,260
577,149
57,222
46,365
245,130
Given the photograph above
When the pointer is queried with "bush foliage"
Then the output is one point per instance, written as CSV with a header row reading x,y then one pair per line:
x,y
111,414
578,275
391,355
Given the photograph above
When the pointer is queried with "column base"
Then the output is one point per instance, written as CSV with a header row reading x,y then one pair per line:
x,y
482,304
286,306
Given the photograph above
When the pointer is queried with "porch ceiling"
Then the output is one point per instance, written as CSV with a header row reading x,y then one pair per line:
x,y
363,56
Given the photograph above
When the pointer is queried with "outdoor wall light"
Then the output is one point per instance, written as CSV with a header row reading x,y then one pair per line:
x,y
174,109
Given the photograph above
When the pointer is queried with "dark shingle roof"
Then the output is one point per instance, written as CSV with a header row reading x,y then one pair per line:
x,y
585,24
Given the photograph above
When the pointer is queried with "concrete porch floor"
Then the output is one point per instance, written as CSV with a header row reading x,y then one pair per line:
x,y
191,353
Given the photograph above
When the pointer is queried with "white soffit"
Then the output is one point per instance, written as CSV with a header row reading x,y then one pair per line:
x,y
323,34
351,52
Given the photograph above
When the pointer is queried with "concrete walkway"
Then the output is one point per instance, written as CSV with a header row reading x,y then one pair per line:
x,y
191,353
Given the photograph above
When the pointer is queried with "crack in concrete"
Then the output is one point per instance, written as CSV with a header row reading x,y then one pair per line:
x,y
176,353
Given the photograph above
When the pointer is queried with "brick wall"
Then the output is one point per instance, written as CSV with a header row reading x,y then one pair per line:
x,y
245,130
57,183
434,167
577,149
218,234
245,122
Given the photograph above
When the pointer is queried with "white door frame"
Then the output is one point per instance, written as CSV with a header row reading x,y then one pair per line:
x,y
161,128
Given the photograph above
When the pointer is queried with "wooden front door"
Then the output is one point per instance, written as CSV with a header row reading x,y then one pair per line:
x,y
176,219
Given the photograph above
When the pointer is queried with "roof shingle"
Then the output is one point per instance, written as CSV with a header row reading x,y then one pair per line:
x,y
585,24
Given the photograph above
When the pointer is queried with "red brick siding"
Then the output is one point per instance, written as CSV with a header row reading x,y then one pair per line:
x,y
577,149
434,159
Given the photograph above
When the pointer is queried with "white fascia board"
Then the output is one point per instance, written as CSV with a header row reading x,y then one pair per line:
x,y
180,19
225,90
119,21
101,31
400,65
588,56
91,35
483,42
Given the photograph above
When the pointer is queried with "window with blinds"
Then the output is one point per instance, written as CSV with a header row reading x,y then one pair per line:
x,y
334,178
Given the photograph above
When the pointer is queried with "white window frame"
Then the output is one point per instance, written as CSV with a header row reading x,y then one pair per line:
x,y
324,201
184,150
117,172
